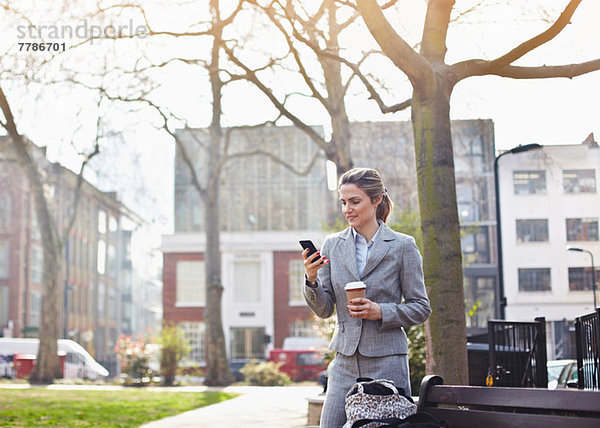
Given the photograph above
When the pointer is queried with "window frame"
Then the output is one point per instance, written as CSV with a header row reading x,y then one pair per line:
x,y
186,280
540,271
530,184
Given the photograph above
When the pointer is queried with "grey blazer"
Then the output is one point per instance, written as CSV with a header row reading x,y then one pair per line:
x,y
393,273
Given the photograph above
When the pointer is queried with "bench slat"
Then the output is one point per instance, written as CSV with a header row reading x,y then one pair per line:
x,y
525,398
458,418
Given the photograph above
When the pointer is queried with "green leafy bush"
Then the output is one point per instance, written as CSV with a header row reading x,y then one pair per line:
x,y
265,373
174,347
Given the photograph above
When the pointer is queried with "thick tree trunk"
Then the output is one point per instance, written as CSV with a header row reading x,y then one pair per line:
x,y
218,371
47,364
441,234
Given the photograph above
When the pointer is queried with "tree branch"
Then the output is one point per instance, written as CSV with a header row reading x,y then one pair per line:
x,y
296,54
479,67
80,180
373,94
252,77
540,39
394,46
259,152
543,72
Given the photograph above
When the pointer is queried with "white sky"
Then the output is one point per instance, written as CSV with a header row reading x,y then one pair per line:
x,y
549,111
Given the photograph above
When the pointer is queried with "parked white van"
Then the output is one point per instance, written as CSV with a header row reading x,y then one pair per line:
x,y
78,362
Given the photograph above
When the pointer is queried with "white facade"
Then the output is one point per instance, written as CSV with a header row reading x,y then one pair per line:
x,y
545,194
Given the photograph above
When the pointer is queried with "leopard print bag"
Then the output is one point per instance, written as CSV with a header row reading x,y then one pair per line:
x,y
376,399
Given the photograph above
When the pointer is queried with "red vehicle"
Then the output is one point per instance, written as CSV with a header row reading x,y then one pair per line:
x,y
299,364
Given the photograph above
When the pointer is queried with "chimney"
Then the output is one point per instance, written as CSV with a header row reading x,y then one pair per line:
x,y
590,140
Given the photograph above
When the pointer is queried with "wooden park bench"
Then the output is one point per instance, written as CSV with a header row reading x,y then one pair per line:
x,y
490,407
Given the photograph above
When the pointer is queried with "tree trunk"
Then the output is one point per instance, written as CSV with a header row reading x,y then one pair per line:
x,y
47,363
218,371
441,232
339,148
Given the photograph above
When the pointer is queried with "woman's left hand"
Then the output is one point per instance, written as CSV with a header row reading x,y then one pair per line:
x,y
364,308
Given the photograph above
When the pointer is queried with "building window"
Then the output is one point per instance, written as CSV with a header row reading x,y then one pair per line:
x,y
5,211
4,259
36,234
246,287
112,303
475,245
92,300
37,264
4,304
534,279
35,309
101,265
195,335
247,343
579,181
101,305
296,282
303,328
102,221
191,283
582,229
532,230
479,300
580,279
112,262
529,182
113,224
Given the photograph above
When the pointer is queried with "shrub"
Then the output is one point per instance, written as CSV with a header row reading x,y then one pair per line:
x,y
174,347
265,373
191,371
135,358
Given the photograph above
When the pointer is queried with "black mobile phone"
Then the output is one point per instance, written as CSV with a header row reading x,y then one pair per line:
x,y
311,247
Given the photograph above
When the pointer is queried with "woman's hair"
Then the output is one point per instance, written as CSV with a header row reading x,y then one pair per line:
x,y
370,182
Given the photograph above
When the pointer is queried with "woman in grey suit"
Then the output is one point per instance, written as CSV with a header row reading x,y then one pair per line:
x,y
369,338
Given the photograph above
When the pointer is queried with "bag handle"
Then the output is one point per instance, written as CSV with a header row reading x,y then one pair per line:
x,y
393,422
384,382
422,418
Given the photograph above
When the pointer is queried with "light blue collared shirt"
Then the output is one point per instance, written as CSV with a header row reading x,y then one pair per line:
x,y
363,248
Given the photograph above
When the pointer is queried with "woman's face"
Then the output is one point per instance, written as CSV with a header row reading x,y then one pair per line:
x,y
357,206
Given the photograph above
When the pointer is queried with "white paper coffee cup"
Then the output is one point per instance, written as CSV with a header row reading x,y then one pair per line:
x,y
355,289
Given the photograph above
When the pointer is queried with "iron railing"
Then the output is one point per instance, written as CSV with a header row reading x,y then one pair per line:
x,y
518,353
587,340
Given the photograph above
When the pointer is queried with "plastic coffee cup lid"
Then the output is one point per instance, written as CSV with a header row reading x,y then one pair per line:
x,y
355,285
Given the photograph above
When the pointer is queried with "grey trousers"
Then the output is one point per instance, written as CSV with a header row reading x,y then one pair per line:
x,y
342,374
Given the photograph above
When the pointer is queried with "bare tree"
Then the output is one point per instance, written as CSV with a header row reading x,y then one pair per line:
x,y
313,51
432,82
53,237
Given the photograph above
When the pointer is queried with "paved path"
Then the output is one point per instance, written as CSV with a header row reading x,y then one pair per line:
x,y
266,407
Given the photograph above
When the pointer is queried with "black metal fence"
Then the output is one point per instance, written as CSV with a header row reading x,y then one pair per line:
x,y
587,337
518,353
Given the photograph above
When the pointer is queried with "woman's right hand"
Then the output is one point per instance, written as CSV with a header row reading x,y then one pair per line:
x,y
312,265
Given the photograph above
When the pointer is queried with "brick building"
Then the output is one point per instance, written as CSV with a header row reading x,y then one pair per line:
x,y
104,282
265,209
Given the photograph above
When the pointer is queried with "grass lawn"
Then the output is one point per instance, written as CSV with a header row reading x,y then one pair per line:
x,y
126,408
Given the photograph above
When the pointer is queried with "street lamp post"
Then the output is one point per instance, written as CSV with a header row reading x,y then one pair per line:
x,y
501,299
581,250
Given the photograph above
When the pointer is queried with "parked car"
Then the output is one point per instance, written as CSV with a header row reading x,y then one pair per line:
x,y
78,363
300,365
555,369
